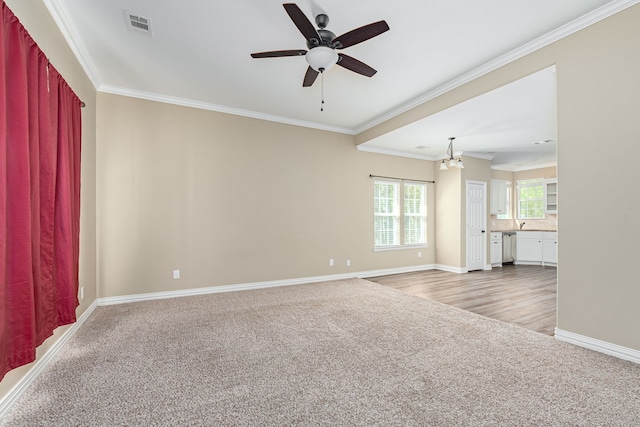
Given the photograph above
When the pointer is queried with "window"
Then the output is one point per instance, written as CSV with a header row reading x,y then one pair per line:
x,y
400,214
531,199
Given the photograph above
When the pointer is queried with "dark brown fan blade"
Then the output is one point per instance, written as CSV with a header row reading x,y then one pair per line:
x,y
302,22
360,34
354,65
278,53
309,77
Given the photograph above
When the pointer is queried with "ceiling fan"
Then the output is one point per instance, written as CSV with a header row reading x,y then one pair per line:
x,y
322,45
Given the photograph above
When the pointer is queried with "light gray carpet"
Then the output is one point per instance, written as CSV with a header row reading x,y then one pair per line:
x,y
336,353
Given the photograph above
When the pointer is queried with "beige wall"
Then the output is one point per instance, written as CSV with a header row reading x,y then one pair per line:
x,y
598,94
545,173
228,200
38,22
598,99
449,211
503,175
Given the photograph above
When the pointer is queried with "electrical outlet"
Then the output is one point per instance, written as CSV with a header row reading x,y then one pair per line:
x,y
348,263
176,274
419,254
82,293
331,262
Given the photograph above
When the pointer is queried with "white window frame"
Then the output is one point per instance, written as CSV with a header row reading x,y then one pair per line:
x,y
398,212
535,182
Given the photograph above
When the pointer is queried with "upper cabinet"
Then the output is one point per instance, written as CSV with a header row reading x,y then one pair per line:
x,y
499,197
551,196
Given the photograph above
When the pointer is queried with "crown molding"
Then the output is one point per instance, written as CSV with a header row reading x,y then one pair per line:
x,y
572,27
64,25
387,152
151,96
523,168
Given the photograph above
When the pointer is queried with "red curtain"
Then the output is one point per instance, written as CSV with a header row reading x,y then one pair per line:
x,y
40,134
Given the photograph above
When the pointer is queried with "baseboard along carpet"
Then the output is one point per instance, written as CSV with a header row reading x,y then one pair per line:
x,y
347,352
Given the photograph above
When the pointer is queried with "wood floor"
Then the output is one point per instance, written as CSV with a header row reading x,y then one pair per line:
x,y
521,294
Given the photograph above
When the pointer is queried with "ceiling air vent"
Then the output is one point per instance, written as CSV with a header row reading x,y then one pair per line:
x,y
137,23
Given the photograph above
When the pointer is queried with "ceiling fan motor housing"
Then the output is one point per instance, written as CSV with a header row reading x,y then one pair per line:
x,y
326,38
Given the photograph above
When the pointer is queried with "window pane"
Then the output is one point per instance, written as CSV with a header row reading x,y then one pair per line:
x,y
386,209
386,228
415,214
530,199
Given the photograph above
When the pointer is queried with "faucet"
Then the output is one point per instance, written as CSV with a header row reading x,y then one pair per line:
x,y
522,225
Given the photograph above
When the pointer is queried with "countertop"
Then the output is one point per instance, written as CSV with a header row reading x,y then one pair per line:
x,y
513,231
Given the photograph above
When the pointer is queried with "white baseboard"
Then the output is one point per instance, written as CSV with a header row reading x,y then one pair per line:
x,y
257,285
15,393
450,269
219,289
598,345
398,270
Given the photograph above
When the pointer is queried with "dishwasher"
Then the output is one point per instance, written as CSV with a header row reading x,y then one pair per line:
x,y
509,246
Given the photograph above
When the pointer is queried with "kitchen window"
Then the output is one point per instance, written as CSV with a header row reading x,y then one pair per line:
x,y
530,198
400,214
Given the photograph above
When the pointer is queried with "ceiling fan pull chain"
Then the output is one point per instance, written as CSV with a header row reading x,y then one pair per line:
x,y
322,90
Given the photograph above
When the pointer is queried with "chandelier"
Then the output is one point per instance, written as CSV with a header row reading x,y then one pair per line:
x,y
453,162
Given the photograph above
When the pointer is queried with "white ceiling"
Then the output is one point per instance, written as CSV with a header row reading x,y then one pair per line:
x,y
199,55
514,126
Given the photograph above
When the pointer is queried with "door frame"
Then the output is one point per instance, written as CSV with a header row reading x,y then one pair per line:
x,y
484,223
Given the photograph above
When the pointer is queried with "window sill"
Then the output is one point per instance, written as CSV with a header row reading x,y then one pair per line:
x,y
399,248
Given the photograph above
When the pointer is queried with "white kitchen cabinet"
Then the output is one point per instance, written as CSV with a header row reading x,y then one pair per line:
x,y
529,247
537,247
496,249
550,248
551,196
499,197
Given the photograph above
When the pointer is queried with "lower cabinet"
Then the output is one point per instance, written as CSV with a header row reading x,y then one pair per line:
x,y
537,247
550,248
529,245
496,249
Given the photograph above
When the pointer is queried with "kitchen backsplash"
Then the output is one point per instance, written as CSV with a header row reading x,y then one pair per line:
x,y
549,223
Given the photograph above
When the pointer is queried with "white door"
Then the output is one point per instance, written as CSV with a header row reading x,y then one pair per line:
x,y
476,225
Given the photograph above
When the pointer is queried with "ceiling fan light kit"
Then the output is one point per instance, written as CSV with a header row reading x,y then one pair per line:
x,y
321,58
322,45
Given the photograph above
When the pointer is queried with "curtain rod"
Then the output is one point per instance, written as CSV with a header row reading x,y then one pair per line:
x,y
401,179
